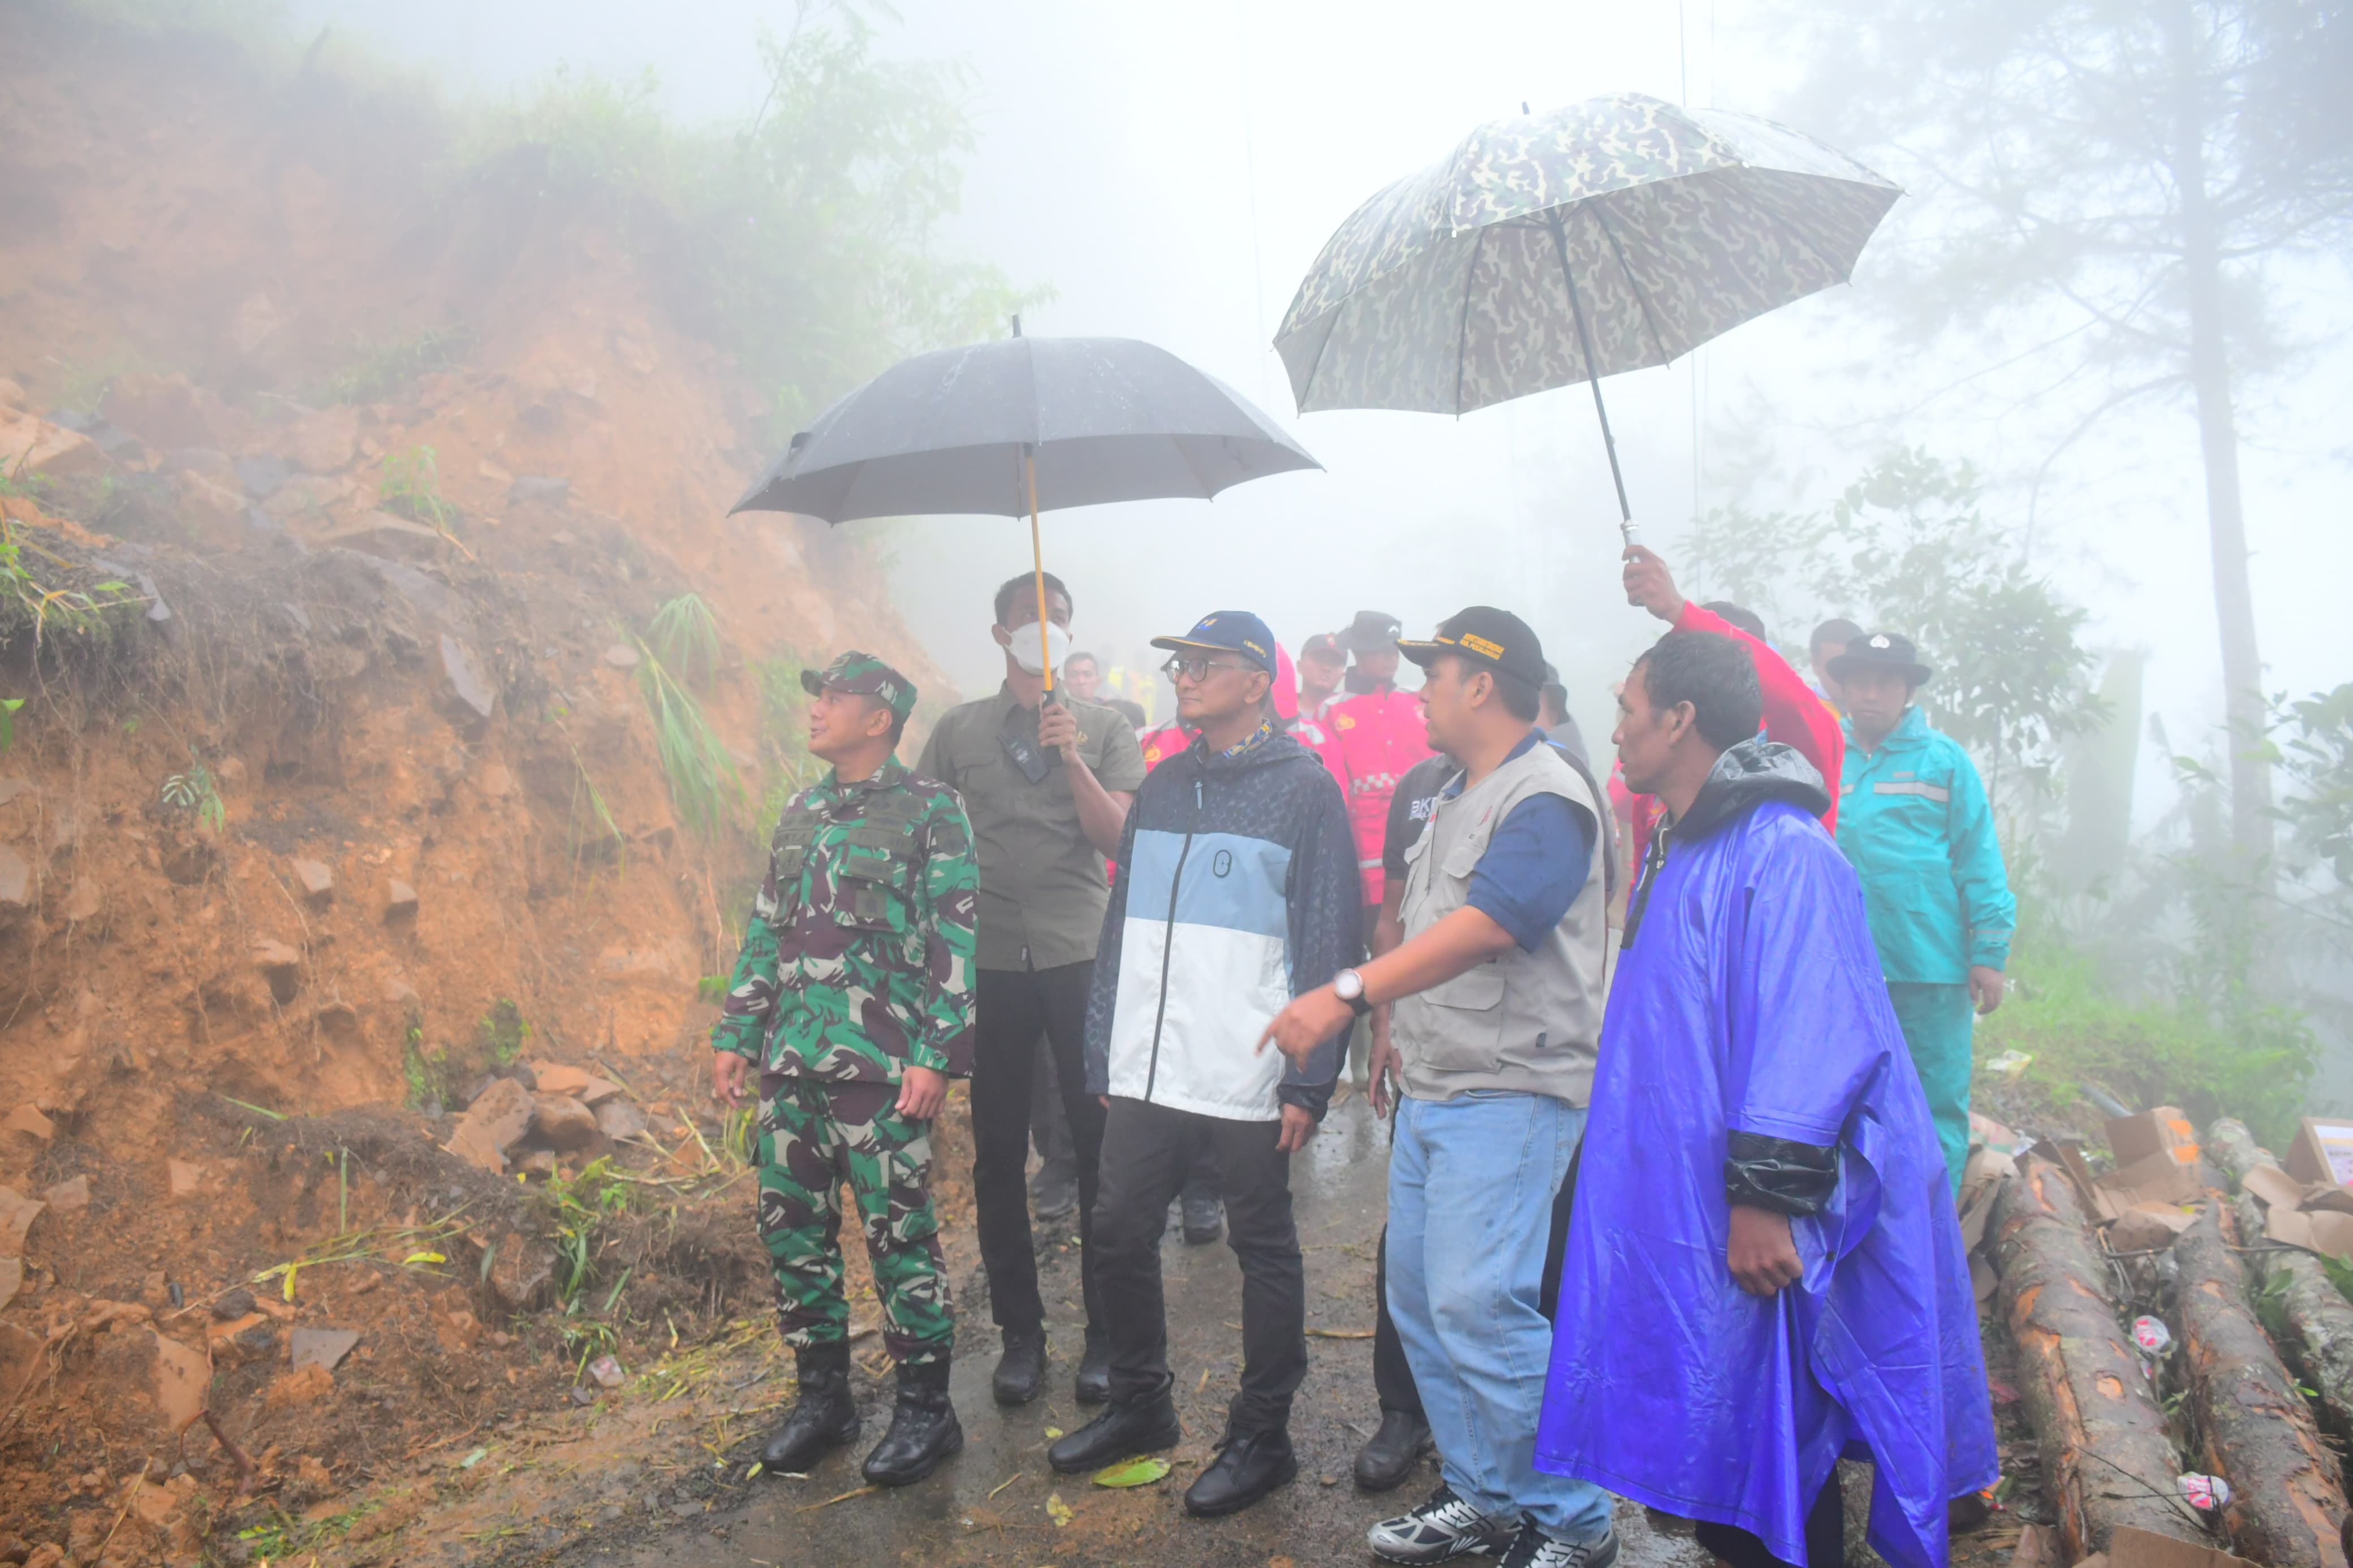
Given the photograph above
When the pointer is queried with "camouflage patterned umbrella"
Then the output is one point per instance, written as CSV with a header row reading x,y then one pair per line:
x,y
1610,236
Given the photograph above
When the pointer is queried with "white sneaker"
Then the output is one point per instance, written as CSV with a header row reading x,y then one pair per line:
x,y
1440,1529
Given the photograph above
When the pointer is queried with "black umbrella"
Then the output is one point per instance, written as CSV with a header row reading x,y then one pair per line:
x,y
1022,426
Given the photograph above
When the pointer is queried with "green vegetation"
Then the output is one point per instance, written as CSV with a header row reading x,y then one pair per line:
x,y
803,239
432,1079
685,635
705,786
591,819
1908,546
194,794
2218,1050
409,485
500,1033
381,368
578,1210
29,603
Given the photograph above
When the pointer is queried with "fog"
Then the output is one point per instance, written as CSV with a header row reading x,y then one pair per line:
x,y
1170,172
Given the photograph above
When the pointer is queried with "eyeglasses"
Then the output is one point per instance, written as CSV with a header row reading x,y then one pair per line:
x,y
1196,667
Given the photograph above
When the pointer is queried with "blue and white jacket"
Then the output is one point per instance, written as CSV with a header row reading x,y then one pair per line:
x,y
1237,891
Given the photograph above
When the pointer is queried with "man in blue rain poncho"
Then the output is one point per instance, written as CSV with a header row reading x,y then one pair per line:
x,y
1764,1270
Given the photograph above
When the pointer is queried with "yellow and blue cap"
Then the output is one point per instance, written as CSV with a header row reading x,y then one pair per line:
x,y
1229,631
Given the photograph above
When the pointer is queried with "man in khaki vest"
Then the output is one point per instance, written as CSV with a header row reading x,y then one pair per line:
x,y
1495,995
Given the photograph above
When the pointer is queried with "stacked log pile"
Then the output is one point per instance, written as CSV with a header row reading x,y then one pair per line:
x,y
2112,1458
2107,1458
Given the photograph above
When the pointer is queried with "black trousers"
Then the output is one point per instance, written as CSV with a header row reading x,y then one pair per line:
x,y
1014,1006
1392,1377
1148,1151
1825,1536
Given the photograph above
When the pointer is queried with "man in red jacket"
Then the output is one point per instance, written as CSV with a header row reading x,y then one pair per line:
x,y
1378,732
1793,714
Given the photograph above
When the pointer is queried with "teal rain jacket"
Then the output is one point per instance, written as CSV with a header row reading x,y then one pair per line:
x,y
1912,819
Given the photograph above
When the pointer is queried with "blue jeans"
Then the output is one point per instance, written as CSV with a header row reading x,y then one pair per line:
x,y
1472,1182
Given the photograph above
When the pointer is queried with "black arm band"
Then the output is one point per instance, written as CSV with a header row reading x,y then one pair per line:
x,y
1778,1174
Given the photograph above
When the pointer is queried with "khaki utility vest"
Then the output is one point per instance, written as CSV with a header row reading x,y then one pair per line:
x,y
1521,1022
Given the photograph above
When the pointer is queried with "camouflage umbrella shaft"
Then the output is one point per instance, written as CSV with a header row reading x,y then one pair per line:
x,y
1461,286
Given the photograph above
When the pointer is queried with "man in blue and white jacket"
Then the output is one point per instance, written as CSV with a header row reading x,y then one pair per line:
x,y
1237,891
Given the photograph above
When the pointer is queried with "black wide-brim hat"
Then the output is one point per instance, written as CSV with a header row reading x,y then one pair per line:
x,y
1881,650
1373,631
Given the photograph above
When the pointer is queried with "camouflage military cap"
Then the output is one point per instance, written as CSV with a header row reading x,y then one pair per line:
x,y
867,675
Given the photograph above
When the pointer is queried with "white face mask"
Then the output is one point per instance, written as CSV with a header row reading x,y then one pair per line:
x,y
1024,646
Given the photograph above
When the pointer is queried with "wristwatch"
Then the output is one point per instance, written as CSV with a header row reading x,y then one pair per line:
x,y
1349,987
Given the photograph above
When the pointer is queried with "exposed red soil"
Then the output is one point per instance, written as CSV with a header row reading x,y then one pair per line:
x,y
189,247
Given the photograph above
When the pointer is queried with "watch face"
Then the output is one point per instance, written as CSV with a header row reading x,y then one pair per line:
x,y
1348,984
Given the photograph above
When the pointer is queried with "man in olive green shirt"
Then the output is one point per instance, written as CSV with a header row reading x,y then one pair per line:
x,y
1047,791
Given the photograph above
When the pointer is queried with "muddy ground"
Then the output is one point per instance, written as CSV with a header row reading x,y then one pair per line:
x,y
995,1503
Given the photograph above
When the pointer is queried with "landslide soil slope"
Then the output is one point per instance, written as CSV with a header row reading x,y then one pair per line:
x,y
195,254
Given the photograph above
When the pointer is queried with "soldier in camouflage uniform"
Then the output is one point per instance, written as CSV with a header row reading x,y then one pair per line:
x,y
853,995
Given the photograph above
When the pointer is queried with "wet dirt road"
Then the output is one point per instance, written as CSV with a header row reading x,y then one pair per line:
x,y
997,1502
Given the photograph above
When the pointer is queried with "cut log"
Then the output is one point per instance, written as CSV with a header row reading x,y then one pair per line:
x,y
2286,1503
2107,1458
2317,1317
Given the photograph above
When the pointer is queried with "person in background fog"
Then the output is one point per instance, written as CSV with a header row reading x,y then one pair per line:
x,y
1047,786
853,999
1829,641
1793,715
1553,717
1322,665
1917,825
1236,892
1377,733
1764,1270
1083,678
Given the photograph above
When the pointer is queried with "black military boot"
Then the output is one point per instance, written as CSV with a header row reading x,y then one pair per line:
x,y
823,1419
1020,1373
924,1428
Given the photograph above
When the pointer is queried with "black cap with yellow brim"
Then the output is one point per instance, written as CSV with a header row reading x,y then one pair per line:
x,y
1483,634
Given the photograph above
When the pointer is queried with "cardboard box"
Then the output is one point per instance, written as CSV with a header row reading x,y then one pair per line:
x,y
2131,1548
2154,1181
2323,1151
2161,1128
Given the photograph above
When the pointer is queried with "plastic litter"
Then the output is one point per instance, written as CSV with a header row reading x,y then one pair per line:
x,y
2010,1064
2153,1338
2207,1494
